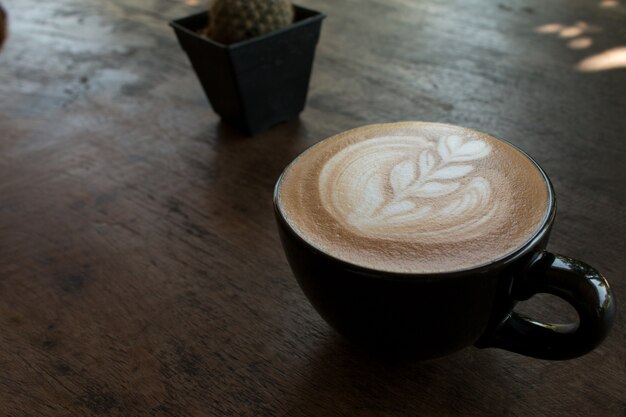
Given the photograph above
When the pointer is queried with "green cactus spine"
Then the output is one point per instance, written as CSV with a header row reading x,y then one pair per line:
x,y
235,20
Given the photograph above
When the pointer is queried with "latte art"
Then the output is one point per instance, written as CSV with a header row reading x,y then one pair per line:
x,y
414,197
409,188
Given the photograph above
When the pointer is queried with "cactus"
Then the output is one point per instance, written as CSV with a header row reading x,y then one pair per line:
x,y
235,20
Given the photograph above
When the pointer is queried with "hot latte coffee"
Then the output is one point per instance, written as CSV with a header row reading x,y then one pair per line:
x,y
414,197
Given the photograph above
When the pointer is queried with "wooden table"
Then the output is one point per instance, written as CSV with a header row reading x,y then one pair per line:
x,y
140,268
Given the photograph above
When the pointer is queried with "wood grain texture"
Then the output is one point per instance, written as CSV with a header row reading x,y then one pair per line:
x,y
140,268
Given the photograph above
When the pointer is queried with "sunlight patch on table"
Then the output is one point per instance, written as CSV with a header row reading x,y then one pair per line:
x,y
583,42
613,58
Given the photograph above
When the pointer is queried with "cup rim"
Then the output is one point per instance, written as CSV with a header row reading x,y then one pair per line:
x,y
502,262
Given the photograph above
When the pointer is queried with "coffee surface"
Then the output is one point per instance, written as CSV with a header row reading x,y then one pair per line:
x,y
414,197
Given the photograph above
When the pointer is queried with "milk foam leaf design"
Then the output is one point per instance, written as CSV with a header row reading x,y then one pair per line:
x,y
451,172
400,207
408,188
432,189
409,216
402,175
439,175
452,149
372,197
447,145
426,162
477,191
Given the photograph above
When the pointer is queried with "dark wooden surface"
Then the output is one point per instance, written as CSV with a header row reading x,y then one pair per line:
x,y
140,269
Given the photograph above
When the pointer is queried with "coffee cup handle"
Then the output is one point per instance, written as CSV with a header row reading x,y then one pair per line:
x,y
573,281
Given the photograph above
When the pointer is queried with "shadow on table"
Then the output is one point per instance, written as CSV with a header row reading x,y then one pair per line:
x,y
343,380
248,167
234,179
265,154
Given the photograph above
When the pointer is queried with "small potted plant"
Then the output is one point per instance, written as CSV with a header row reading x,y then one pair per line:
x,y
253,58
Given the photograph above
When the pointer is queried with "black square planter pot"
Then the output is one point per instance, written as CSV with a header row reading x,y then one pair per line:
x,y
259,82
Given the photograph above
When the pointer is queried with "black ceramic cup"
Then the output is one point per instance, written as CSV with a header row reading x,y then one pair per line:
x,y
430,315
